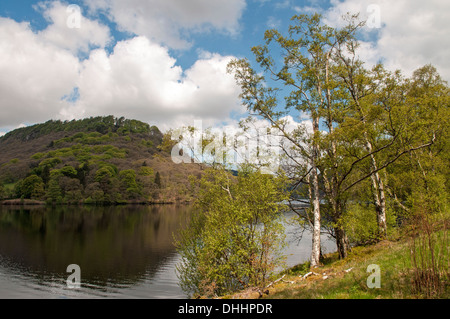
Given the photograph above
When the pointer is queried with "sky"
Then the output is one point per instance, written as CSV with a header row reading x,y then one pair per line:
x,y
164,61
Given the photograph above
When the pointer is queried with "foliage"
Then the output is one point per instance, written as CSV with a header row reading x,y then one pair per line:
x,y
235,236
158,179
54,192
101,125
32,187
69,171
129,184
145,171
82,161
371,128
361,225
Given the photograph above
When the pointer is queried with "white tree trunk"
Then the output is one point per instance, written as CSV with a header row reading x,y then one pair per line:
x,y
315,253
378,193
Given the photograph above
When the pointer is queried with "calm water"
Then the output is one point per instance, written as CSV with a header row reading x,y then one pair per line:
x,y
123,252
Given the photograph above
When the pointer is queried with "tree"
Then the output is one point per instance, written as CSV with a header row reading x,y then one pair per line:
x,y
106,177
70,188
358,117
45,175
82,173
129,185
420,180
167,143
389,122
69,171
235,236
158,179
306,74
54,191
32,187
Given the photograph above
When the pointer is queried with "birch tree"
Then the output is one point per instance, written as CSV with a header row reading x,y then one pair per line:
x,y
305,74
357,115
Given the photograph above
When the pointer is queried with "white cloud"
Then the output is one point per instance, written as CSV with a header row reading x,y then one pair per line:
x,y
283,4
273,22
141,80
34,75
412,33
42,78
171,21
69,29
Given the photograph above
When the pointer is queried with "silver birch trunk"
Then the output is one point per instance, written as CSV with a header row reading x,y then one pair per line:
x,y
378,193
315,253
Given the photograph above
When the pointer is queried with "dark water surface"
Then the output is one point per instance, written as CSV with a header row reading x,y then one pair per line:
x,y
123,252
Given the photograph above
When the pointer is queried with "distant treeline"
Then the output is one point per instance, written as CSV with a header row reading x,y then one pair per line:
x,y
100,124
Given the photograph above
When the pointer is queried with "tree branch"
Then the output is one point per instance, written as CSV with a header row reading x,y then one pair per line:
x,y
390,162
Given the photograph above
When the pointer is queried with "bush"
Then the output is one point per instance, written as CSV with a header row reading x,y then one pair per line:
x,y
234,239
146,171
360,224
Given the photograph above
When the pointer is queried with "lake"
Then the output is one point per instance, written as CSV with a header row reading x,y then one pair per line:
x,y
123,252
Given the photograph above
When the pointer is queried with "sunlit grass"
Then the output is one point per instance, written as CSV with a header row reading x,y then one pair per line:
x,y
347,279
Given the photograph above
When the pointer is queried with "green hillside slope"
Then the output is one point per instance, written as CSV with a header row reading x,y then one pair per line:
x,y
100,160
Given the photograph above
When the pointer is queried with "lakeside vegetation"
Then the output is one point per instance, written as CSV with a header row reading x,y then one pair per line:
x,y
374,164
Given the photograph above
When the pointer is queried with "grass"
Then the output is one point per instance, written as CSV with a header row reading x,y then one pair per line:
x,y
347,279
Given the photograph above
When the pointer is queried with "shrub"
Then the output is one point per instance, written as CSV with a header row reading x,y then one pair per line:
x,y
360,223
235,236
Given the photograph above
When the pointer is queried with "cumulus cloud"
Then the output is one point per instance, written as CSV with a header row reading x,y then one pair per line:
x,y
411,33
141,80
42,77
70,29
34,75
171,21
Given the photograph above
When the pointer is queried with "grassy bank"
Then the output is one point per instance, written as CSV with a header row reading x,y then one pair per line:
x,y
347,279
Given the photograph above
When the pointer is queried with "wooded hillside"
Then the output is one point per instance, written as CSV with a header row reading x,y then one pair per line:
x,y
100,160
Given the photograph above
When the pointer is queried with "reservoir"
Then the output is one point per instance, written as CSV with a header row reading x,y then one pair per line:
x,y
122,251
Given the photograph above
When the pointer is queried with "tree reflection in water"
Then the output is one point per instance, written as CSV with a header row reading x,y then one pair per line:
x,y
114,246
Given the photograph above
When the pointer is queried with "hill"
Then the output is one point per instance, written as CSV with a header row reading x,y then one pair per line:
x,y
98,160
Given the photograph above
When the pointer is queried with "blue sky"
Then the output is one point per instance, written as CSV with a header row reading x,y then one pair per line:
x,y
163,61
256,17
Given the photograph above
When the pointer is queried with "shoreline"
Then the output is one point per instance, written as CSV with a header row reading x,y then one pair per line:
x,y
30,202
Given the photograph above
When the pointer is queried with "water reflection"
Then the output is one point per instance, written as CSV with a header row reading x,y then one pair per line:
x,y
116,247
123,252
